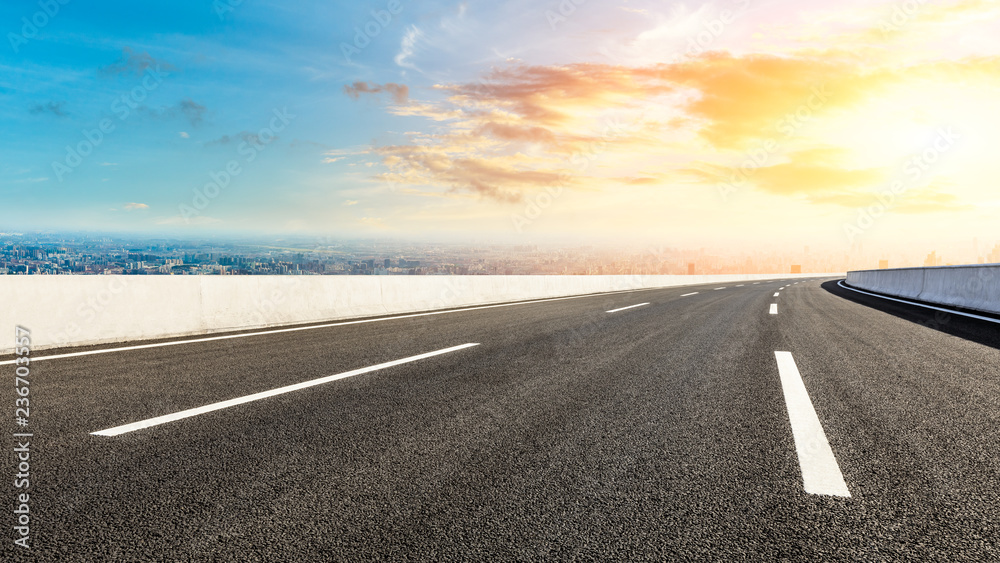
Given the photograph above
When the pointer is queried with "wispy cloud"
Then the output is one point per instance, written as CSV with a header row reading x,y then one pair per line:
x,y
192,110
50,108
186,108
408,47
400,93
134,63
242,136
336,155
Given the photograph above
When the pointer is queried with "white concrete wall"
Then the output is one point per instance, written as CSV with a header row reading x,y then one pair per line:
x,y
81,310
972,287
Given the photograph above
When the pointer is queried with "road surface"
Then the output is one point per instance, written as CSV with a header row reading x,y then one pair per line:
x,y
670,424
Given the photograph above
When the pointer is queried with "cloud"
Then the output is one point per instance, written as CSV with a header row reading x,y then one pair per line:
x,y
408,47
132,206
930,200
350,202
820,175
595,126
336,155
503,179
242,136
52,108
192,110
638,180
818,171
741,99
550,95
926,18
134,63
399,92
184,135
187,108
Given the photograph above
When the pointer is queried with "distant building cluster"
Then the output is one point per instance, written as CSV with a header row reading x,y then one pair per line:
x,y
58,254
102,255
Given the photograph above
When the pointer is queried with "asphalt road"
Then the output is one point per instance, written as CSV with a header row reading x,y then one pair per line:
x,y
658,432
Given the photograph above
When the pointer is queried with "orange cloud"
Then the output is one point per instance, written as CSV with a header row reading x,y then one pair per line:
x,y
399,92
499,178
523,128
802,176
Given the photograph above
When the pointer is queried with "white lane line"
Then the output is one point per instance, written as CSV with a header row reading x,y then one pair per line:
x,y
689,294
718,288
756,283
774,308
952,311
777,293
313,327
741,285
820,473
623,308
124,429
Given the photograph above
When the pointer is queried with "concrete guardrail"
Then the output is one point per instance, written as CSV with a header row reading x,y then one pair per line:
x,y
975,287
82,310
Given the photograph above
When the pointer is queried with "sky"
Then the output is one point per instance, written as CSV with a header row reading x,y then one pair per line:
x,y
748,123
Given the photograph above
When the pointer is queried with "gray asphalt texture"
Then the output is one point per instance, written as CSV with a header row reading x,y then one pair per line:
x,y
659,433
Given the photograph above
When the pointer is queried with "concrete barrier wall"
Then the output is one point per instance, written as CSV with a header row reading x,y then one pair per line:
x,y
974,287
81,310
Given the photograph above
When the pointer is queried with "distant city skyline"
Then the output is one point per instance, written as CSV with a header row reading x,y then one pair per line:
x,y
745,124
93,254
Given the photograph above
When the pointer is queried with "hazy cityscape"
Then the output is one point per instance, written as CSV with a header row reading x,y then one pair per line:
x,y
90,254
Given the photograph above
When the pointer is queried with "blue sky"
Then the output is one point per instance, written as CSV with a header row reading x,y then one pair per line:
x,y
230,67
510,119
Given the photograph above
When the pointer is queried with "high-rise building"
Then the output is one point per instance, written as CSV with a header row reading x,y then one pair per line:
x,y
796,268
691,269
994,257
883,264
